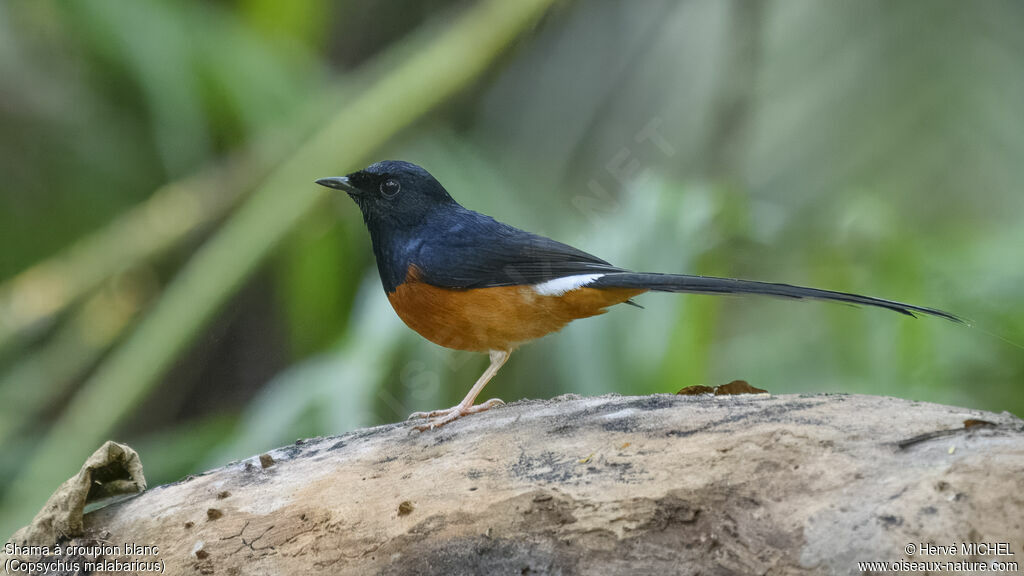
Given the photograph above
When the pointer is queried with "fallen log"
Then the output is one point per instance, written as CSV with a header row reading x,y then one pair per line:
x,y
662,484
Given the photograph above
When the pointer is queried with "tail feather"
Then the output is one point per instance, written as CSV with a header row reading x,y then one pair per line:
x,y
712,285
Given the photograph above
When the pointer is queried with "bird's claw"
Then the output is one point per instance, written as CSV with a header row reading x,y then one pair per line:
x,y
438,418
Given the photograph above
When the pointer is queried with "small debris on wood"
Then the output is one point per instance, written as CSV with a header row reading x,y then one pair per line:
x,y
696,390
223,495
405,508
971,423
738,387
734,387
213,514
968,424
266,460
189,524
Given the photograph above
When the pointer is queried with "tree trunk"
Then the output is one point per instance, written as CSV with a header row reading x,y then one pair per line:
x,y
660,484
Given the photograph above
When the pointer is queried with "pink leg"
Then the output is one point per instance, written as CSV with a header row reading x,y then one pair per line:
x,y
439,418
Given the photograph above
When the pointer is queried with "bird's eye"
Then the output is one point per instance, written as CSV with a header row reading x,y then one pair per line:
x,y
390,188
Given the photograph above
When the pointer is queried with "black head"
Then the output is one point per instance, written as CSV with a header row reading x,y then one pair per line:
x,y
392,192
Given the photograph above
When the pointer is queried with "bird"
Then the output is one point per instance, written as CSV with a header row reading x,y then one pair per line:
x,y
466,281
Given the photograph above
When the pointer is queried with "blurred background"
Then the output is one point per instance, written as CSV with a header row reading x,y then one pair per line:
x,y
171,278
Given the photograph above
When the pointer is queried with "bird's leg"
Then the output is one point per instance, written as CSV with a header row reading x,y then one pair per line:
x,y
439,418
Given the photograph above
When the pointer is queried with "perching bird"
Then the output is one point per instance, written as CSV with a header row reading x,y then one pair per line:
x,y
466,281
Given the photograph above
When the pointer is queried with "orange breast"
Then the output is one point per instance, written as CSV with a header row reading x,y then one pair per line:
x,y
499,318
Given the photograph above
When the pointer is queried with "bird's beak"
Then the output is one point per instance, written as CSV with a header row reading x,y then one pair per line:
x,y
338,183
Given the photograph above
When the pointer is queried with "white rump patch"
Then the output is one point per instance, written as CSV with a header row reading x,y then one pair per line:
x,y
560,286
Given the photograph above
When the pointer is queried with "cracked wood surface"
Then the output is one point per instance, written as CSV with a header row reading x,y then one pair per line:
x,y
610,485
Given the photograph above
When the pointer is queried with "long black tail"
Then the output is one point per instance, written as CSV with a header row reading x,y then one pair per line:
x,y
712,285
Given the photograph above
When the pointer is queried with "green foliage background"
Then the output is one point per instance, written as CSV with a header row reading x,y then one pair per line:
x,y
173,279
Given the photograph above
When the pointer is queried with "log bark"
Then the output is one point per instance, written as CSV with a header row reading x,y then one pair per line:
x,y
662,484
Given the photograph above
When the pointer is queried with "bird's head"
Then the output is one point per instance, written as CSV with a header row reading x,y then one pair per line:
x,y
392,192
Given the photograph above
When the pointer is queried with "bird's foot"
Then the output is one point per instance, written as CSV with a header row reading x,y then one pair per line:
x,y
439,418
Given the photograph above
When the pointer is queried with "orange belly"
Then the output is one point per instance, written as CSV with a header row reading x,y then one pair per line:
x,y
498,318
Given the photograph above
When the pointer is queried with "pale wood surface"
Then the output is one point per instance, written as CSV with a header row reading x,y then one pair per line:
x,y
607,485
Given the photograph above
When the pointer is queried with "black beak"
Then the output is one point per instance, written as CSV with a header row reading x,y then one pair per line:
x,y
338,183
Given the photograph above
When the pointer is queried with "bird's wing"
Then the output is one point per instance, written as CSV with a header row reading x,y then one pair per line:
x,y
480,252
